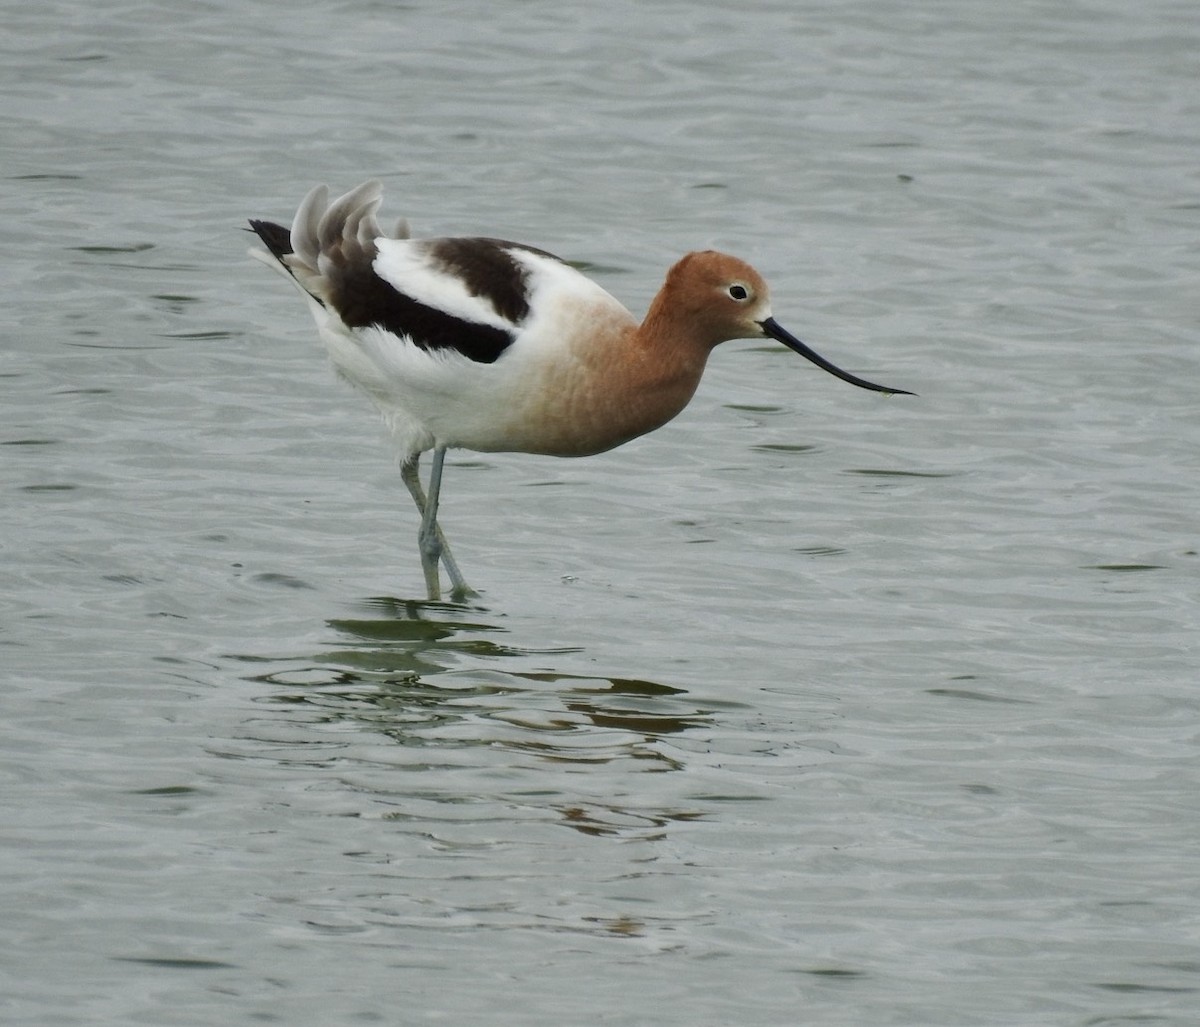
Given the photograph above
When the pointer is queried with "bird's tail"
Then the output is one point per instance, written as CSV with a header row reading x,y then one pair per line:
x,y
324,236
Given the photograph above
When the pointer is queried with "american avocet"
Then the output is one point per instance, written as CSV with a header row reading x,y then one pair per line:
x,y
496,346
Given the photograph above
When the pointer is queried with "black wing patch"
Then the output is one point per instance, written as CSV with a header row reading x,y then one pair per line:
x,y
488,269
364,300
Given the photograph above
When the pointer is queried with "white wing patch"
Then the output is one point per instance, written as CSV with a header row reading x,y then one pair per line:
x,y
405,266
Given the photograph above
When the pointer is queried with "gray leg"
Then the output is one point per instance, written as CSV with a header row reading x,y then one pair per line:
x,y
411,476
431,542
458,587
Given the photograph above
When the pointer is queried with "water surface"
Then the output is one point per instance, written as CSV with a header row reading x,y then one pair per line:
x,y
815,706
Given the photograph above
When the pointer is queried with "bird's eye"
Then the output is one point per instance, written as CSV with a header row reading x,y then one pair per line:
x,y
739,292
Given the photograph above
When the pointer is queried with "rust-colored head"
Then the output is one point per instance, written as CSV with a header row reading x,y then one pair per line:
x,y
711,297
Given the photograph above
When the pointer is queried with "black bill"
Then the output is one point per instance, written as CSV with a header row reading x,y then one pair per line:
x,y
772,328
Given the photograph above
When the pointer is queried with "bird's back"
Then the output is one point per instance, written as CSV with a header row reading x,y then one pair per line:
x,y
468,341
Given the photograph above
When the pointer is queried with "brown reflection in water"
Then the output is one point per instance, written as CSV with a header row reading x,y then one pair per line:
x,y
434,675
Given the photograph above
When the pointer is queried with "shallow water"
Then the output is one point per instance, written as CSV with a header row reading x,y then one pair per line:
x,y
815,706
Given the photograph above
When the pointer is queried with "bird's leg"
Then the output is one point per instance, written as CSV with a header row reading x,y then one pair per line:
x,y
410,474
458,587
430,540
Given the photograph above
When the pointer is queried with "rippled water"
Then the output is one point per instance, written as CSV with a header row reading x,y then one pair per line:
x,y
813,707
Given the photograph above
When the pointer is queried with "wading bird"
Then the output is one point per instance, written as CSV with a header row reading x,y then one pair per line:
x,y
495,346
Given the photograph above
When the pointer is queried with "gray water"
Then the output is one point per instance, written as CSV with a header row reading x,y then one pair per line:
x,y
813,707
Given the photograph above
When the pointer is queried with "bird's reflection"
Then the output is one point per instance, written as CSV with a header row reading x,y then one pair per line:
x,y
447,676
